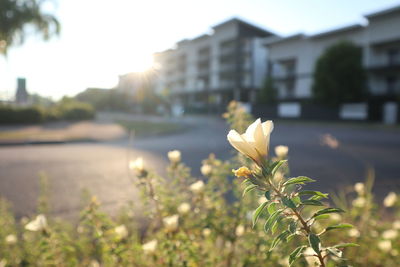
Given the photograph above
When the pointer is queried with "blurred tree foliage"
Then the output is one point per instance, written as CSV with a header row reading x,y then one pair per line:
x,y
104,99
267,95
339,75
17,15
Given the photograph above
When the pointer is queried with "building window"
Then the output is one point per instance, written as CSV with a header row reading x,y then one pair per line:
x,y
393,56
392,85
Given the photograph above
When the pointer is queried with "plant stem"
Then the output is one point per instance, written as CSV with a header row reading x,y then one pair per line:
x,y
301,219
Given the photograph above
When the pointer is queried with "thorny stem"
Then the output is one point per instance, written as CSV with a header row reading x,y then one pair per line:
x,y
306,227
153,197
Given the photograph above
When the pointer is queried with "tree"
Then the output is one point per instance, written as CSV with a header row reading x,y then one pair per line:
x,y
267,94
16,15
339,75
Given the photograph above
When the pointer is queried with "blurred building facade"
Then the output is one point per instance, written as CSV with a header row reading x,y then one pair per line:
x,y
212,69
292,59
21,94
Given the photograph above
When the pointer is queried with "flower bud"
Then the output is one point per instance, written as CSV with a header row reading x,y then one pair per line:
x,y
390,199
281,151
150,246
174,156
197,187
242,172
206,169
184,208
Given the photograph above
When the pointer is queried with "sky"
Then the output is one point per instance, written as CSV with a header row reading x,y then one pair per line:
x,y
101,39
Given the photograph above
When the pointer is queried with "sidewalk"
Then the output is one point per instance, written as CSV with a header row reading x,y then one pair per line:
x,y
61,132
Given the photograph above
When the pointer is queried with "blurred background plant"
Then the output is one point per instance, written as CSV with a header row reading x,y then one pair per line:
x,y
194,221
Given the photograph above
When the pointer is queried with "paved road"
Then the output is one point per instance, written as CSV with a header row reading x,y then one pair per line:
x,y
102,167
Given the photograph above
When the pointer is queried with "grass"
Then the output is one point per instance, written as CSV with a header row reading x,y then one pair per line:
x,y
148,128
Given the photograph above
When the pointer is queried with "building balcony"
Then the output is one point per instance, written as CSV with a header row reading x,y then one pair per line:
x,y
383,68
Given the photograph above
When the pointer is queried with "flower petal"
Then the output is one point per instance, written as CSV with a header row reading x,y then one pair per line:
x,y
241,145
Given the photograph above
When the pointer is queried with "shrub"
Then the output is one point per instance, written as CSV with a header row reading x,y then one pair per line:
x,y
18,115
188,221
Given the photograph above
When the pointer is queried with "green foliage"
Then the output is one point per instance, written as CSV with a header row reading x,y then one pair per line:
x,y
65,109
104,99
268,93
15,16
339,75
214,227
70,109
20,115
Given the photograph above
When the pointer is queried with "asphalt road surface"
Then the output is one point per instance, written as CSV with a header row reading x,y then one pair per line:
x,y
102,169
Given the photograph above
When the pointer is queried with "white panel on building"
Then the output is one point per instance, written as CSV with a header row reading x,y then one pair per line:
x,y
354,111
289,110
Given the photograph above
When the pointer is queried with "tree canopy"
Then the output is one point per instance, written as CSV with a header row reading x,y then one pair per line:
x,y
17,15
339,75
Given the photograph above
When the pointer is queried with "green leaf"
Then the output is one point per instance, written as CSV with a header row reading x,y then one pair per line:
x,y
314,241
339,226
322,217
268,195
249,188
313,193
258,212
335,252
271,208
276,166
292,227
275,225
272,219
281,237
296,200
295,254
346,245
288,202
312,202
326,211
298,180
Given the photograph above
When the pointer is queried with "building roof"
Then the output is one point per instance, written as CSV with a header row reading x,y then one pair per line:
x,y
243,22
387,11
348,28
277,39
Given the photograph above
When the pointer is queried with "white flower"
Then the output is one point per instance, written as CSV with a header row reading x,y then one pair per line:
x,y
174,156
150,246
239,231
40,223
385,245
11,239
359,202
389,234
206,232
359,188
94,263
390,199
206,169
335,217
353,232
121,231
197,187
254,143
171,222
396,225
137,165
184,208
281,151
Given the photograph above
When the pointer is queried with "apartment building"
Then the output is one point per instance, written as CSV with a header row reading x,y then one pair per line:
x,y
212,69
292,59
